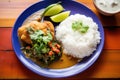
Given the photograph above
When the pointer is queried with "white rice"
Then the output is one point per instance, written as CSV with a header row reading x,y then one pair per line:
x,y
75,43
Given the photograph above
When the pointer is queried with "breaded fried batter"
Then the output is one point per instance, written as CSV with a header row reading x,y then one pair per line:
x,y
44,26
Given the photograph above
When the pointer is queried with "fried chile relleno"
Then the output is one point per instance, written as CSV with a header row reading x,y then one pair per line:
x,y
23,32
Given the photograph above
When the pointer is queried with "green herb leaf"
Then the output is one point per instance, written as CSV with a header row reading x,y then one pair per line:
x,y
37,35
39,49
40,41
47,38
79,26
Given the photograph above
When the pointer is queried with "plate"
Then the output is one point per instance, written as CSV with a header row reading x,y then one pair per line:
x,y
74,7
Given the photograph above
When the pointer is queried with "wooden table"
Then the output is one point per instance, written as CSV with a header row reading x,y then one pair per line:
x,y
107,65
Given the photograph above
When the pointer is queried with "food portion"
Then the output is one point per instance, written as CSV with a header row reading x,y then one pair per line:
x,y
108,5
39,43
53,9
60,17
24,30
79,35
74,38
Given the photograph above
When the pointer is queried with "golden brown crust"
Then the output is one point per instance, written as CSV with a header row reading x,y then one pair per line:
x,y
23,34
50,26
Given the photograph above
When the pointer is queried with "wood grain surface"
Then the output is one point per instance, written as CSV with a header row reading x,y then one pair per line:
x,y
107,65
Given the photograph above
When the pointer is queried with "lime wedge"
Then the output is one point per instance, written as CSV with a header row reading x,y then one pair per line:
x,y
60,17
53,9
